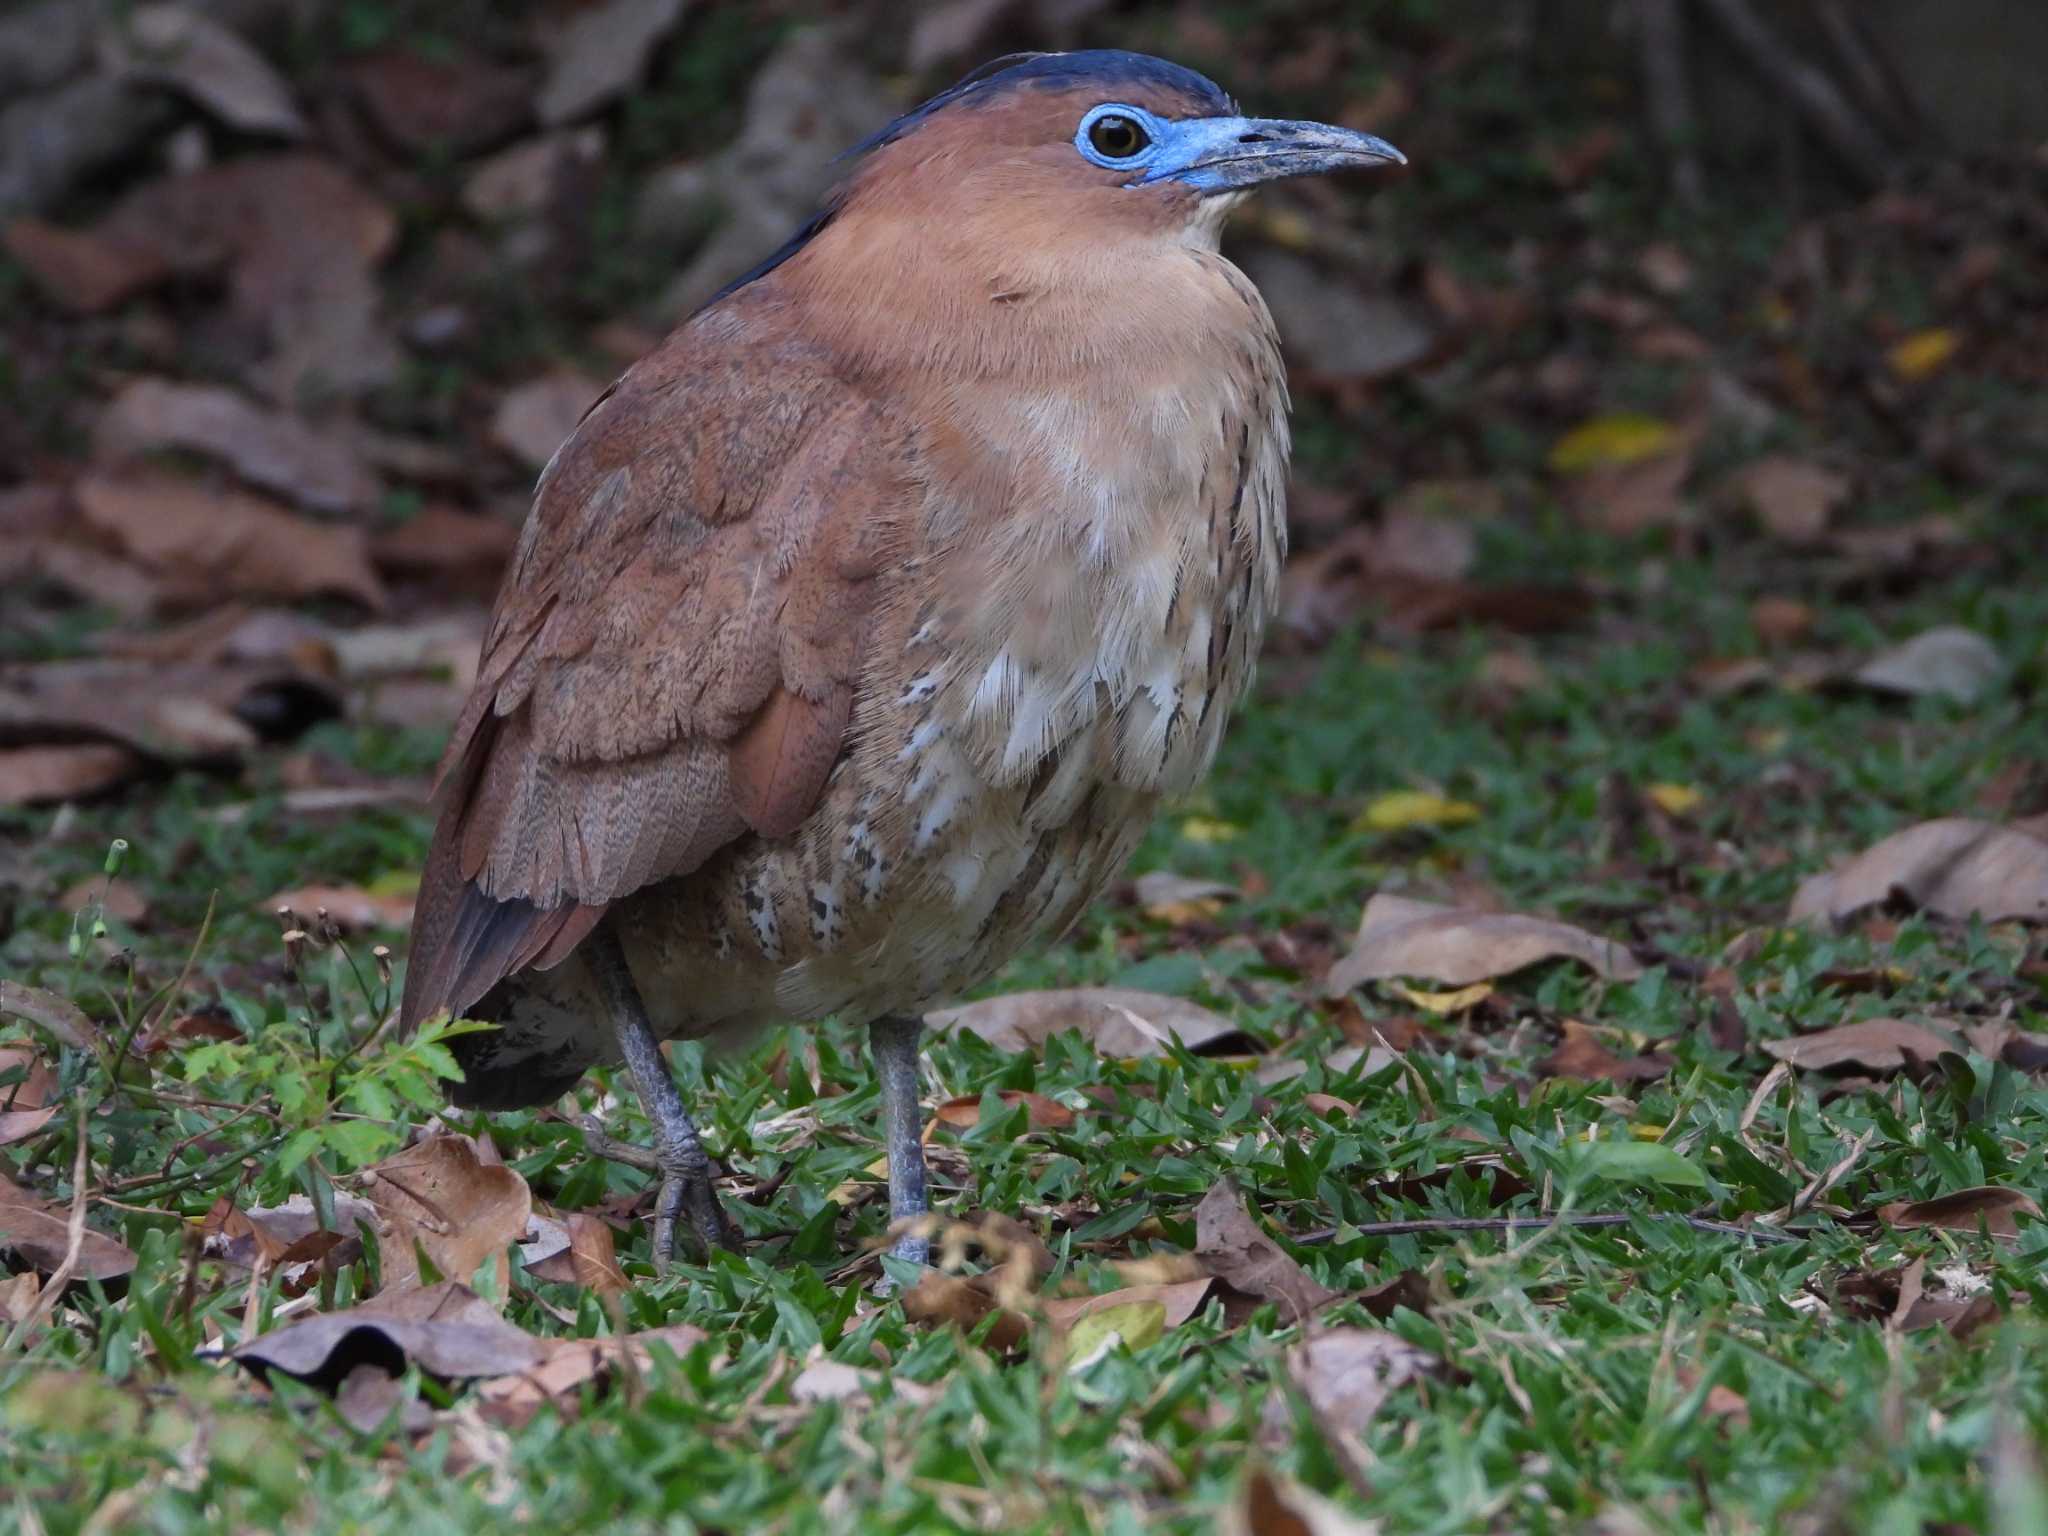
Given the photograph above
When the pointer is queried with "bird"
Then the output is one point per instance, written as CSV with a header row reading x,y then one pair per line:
x,y
857,631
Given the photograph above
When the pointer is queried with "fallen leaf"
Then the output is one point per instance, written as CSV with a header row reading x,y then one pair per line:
x,y
1674,799
350,907
1875,1045
1133,1324
1953,867
1793,499
1780,621
1331,328
214,544
270,449
588,1258
1230,1243
1445,1004
535,418
1119,1021
1580,1054
38,1234
568,1367
1922,354
452,102
1629,494
173,713
1180,899
84,272
28,1093
35,775
194,54
1402,809
1347,1374
940,1299
46,1010
1269,1505
1606,441
601,54
446,1329
1399,936
444,542
20,1296
440,1198
1045,1114
1177,1300
1994,1209
1948,662
527,179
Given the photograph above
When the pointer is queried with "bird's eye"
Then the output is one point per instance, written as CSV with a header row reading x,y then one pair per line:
x,y
1116,137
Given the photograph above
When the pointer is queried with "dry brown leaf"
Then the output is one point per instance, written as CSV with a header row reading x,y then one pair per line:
x,y
440,1196
38,1234
1994,1209
194,54
220,544
1118,1021
60,1016
34,775
834,1381
443,541
1347,1374
85,272
1625,499
270,449
940,1298
535,418
1780,621
601,54
20,1296
1398,936
176,713
1233,1247
349,907
446,1329
28,1092
1954,868
1581,1054
1270,1505
588,1257
1182,1300
1875,1045
568,1366
1947,662
1794,499
1043,1114
453,102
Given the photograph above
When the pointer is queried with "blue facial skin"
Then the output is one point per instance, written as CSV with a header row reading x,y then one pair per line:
x,y
1229,154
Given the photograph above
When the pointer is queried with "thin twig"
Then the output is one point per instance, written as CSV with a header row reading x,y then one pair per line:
x,y
74,1243
1422,1224
1824,107
1669,95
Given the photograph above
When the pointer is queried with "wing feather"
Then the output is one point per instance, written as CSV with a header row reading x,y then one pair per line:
x,y
672,660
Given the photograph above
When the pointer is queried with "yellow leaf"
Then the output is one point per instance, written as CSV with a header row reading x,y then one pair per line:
x,y
1922,353
1625,437
1648,1132
1207,829
1136,1323
1406,808
1445,1002
1675,799
848,1192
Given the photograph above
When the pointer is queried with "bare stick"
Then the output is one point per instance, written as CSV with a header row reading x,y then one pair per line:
x,y
1669,95
1824,107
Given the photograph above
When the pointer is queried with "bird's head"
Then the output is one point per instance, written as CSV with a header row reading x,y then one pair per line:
x,y
1039,170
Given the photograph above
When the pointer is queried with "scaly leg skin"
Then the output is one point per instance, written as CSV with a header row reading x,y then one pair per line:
x,y
678,1153
894,1043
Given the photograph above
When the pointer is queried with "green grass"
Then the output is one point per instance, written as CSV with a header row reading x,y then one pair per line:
x,y
1584,1359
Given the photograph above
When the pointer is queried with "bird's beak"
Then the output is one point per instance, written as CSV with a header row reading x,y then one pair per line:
x,y
1227,154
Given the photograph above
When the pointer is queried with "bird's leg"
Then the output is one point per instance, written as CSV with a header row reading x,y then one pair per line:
x,y
894,1042
678,1153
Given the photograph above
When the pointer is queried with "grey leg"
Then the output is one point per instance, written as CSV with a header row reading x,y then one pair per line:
x,y
894,1043
685,1169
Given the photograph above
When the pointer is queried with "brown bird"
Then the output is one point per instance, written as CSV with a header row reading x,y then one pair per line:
x,y
858,629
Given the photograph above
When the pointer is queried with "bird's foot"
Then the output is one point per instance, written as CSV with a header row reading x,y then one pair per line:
x,y
686,1194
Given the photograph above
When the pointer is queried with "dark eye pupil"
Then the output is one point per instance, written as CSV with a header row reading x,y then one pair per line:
x,y
1117,137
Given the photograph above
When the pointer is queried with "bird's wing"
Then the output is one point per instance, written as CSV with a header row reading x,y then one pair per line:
x,y
671,662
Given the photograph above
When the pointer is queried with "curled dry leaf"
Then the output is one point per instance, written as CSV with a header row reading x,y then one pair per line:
x,y
28,1093
1347,1374
567,1366
1581,1054
441,1198
38,1234
178,46
59,1015
1044,1114
1794,499
269,449
1459,946
601,54
587,1256
834,1381
1874,1045
1179,1299
177,713
37,775
349,907
533,419
1954,868
1946,662
1270,1505
1118,1021
211,545
1989,1207
447,1330
1233,1247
